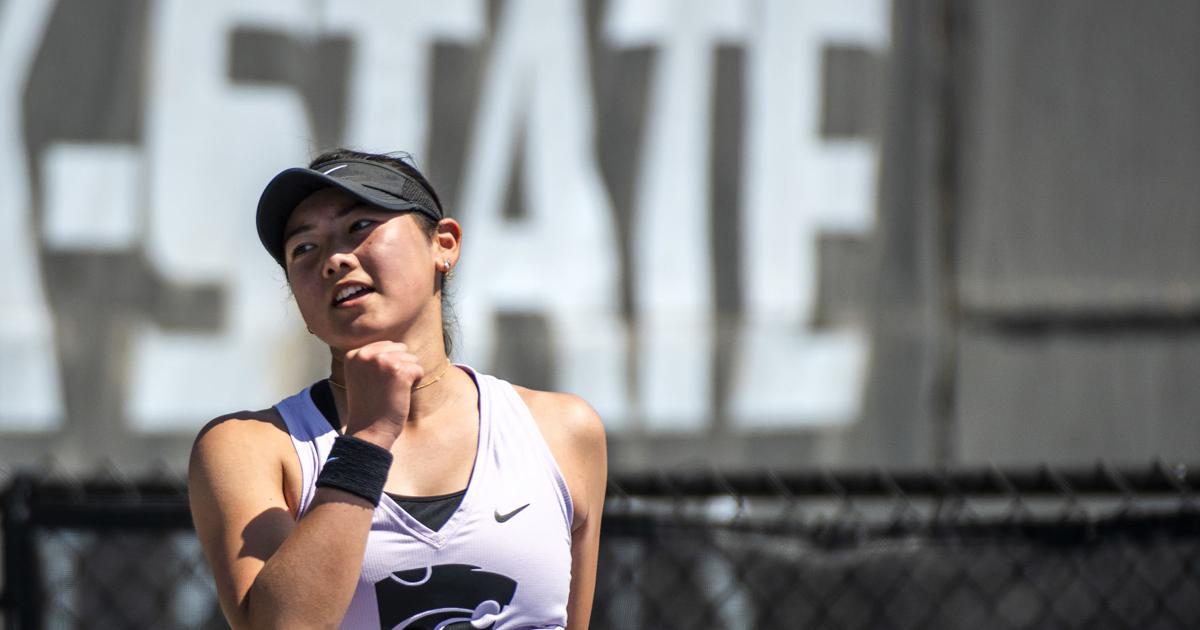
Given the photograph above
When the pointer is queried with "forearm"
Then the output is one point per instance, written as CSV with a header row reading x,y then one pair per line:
x,y
584,551
309,581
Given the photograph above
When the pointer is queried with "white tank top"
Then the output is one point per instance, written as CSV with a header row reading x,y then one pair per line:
x,y
502,561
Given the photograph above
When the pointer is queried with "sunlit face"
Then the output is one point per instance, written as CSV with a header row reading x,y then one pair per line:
x,y
360,273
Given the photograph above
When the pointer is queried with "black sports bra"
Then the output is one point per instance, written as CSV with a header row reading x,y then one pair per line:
x,y
432,512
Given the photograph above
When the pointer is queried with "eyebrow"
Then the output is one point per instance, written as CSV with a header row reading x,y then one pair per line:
x,y
304,227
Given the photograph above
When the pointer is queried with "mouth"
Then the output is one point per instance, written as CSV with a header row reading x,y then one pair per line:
x,y
350,293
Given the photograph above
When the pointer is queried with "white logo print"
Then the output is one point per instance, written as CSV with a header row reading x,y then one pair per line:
x,y
335,168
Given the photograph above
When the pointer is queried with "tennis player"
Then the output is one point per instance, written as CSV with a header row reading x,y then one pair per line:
x,y
404,491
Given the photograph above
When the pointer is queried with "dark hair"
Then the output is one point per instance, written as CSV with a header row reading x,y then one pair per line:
x,y
404,163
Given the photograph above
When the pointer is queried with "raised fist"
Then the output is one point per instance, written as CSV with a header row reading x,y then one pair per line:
x,y
379,381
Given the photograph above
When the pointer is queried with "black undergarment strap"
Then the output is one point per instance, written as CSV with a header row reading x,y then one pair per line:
x,y
322,396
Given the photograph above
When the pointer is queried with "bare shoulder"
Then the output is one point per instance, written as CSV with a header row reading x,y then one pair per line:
x,y
243,490
240,430
564,418
236,450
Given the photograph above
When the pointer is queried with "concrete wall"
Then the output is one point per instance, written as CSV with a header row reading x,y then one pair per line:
x,y
751,232
1078,230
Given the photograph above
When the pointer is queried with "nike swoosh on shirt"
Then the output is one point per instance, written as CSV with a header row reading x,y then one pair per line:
x,y
500,518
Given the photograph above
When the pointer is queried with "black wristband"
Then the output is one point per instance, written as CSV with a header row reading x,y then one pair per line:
x,y
356,466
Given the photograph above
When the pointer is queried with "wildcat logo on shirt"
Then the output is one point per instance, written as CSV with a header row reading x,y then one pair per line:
x,y
442,597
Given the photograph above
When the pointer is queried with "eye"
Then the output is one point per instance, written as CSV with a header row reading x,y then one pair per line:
x,y
360,224
301,248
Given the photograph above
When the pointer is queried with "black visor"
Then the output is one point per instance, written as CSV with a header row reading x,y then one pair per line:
x,y
370,182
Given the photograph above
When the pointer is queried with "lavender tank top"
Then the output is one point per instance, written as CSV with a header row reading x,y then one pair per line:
x,y
502,561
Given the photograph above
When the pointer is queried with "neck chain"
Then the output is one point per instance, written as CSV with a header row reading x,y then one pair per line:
x,y
423,385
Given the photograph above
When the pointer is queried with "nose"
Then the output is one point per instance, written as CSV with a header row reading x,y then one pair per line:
x,y
336,262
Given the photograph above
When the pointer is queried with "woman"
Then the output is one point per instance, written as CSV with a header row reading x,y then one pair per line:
x,y
404,490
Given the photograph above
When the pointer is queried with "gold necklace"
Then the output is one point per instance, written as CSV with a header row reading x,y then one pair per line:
x,y
418,388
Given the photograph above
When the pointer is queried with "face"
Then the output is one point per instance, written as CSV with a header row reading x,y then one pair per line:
x,y
361,274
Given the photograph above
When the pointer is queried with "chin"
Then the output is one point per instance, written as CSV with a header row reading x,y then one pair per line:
x,y
359,335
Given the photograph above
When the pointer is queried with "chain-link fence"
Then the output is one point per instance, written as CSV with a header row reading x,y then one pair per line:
x,y
1044,548
988,549
104,552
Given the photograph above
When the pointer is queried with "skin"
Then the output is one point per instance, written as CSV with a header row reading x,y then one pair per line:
x,y
273,570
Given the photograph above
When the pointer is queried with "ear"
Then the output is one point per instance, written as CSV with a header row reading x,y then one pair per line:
x,y
447,241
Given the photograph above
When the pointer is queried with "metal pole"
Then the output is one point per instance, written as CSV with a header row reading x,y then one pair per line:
x,y
22,579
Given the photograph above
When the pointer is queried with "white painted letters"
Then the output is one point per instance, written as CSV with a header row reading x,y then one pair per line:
x,y
30,393
91,196
389,77
187,196
210,147
796,186
561,259
672,277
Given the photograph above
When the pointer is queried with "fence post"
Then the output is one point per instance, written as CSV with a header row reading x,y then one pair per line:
x,y
22,579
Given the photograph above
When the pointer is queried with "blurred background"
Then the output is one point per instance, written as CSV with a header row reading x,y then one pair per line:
x,y
755,234
752,233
